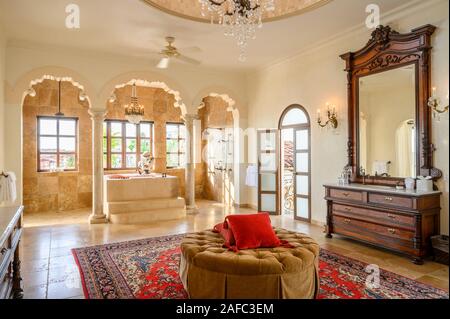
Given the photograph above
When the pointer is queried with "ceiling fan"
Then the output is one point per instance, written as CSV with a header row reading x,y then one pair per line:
x,y
170,52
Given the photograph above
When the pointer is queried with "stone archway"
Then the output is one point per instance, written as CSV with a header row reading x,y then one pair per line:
x,y
162,106
153,84
220,148
58,179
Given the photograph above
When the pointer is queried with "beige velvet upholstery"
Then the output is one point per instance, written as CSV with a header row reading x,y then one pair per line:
x,y
209,271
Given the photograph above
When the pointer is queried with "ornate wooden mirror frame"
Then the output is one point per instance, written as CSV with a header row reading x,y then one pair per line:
x,y
386,50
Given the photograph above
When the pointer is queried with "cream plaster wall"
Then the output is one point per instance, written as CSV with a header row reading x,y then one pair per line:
x,y
99,74
316,76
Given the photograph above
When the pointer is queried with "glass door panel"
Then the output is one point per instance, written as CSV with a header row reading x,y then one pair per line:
x,y
302,185
302,162
268,203
268,159
302,208
302,174
268,182
302,139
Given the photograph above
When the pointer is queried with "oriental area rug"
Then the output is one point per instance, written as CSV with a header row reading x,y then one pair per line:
x,y
148,269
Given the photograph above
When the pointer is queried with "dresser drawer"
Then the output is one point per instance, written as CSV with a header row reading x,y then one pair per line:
x,y
390,200
346,194
392,232
371,215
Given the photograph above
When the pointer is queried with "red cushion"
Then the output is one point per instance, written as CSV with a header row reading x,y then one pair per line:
x,y
253,231
226,234
218,228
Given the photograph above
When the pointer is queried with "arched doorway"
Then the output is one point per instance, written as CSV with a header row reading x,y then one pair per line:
x,y
295,163
218,119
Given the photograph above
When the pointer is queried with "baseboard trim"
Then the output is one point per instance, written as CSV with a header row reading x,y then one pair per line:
x,y
246,206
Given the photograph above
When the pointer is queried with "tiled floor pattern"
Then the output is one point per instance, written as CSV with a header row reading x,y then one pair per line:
x,y
49,270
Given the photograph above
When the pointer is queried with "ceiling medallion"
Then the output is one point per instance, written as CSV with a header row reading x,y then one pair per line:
x,y
240,18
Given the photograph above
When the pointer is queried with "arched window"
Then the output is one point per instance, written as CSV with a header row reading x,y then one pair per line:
x,y
294,116
295,163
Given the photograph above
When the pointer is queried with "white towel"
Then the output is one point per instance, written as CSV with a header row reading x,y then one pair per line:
x,y
380,167
251,178
3,189
8,192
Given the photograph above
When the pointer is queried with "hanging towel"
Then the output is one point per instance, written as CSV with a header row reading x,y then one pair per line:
x,y
8,192
251,178
381,167
3,189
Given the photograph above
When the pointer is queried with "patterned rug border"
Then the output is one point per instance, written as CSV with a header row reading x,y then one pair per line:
x,y
135,241
119,243
80,270
384,270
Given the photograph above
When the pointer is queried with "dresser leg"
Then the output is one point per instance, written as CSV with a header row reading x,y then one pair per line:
x,y
17,289
417,260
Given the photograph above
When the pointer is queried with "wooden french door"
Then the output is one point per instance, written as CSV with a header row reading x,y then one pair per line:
x,y
302,173
268,151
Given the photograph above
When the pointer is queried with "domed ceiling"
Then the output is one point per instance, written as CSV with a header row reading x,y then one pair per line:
x,y
191,9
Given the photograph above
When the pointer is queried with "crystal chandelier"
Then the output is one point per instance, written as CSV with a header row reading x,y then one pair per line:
x,y
239,17
134,112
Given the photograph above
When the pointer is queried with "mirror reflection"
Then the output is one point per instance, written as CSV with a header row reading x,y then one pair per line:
x,y
387,123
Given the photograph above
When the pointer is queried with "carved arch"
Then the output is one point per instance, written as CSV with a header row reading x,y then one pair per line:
x,y
23,87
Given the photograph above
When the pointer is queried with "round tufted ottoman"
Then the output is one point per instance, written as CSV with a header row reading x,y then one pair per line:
x,y
209,271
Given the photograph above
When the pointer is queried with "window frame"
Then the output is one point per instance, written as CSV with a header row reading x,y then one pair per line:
x,y
124,138
57,136
179,154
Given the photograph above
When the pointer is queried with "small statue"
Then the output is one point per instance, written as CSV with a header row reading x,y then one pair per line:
x,y
145,165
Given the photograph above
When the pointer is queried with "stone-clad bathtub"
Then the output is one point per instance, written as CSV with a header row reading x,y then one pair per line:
x,y
136,199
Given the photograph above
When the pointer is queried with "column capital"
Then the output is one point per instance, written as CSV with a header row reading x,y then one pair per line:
x,y
190,117
97,114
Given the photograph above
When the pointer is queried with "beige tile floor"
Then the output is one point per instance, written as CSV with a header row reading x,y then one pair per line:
x,y
49,270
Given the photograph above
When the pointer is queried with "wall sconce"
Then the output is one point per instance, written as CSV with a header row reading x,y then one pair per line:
x,y
435,103
331,117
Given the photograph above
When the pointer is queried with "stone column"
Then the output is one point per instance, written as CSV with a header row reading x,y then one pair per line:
x,y
190,165
97,216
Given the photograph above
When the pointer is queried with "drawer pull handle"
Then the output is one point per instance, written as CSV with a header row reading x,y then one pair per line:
x,y
388,199
391,216
3,251
391,230
348,209
347,221
345,194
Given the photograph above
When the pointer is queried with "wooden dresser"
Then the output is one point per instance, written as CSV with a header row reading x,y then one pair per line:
x,y
10,234
399,220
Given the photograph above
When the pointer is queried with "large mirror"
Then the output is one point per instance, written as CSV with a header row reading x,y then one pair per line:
x,y
389,128
387,123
